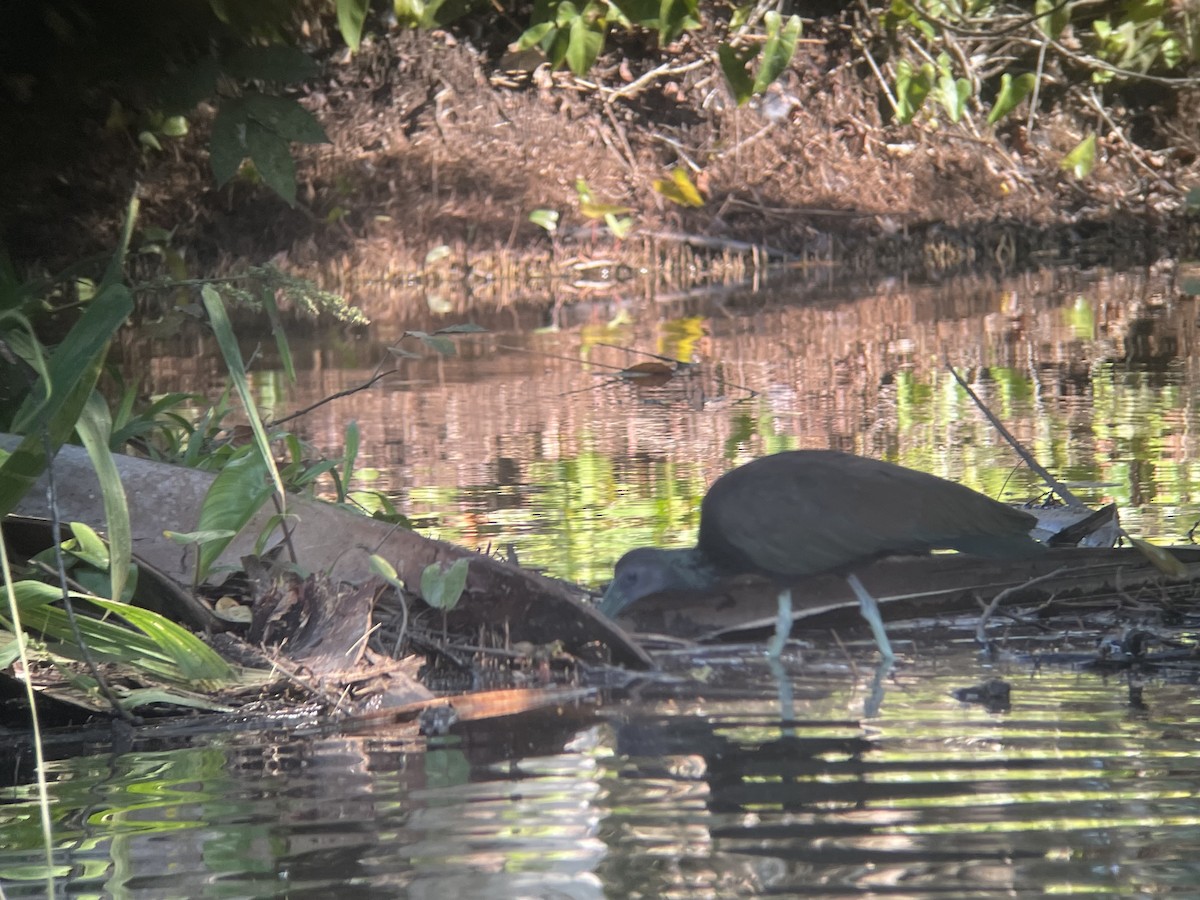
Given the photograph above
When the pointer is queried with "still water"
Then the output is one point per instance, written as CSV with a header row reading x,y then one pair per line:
x,y
702,782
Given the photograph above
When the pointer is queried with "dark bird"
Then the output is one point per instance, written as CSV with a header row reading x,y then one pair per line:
x,y
807,512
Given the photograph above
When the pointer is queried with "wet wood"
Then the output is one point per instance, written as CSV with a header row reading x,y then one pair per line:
x,y
327,539
914,587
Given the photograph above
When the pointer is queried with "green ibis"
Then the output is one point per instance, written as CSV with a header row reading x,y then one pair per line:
x,y
808,512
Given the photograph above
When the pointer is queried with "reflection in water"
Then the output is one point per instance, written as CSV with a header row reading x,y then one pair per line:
x,y
690,786
538,448
694,785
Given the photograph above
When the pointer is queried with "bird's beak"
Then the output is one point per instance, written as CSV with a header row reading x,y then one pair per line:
x,y
613,601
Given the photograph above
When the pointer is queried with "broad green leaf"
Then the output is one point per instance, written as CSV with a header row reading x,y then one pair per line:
x,y
285,117
227,144
72,372
442,345
87,546
778,51
733,67
273,159
953,94
175,126
95,430
350,453
443,589
462,328
236,494
535,35
194,658
1082,158
679,189
912,87
1054,16
586,43
350,15
385,570
546,219
278,63
180,93
1012,92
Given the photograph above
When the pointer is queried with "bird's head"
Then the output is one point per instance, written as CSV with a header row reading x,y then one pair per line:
x,y
648,570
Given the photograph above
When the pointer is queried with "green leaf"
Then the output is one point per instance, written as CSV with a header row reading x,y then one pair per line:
x,y
1054,16
277,63
235,496
182,92
273,159
385,570
227,145
95,430
778,51
350,15
620,227
586,43
194,658
442,345
223,331
462,328
733,67
71,374
187,538
912,87
154,644
88,546
546,219
280,334
534,35
1012,92
285,117
679,189
953,94
174,126
442,590
1082,158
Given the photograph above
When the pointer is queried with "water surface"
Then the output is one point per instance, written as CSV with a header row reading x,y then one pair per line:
x,y
702,783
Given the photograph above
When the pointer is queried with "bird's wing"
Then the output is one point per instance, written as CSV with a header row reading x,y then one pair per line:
x,y
799,514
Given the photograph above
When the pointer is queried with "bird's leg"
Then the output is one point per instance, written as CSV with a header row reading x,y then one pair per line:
x,y
783,625
870,612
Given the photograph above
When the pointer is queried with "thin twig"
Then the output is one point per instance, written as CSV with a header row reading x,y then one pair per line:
x,y
335,396
664,71
1057,486
990,609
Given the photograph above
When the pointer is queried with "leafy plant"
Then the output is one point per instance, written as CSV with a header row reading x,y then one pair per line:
x,y
773,58
680,189
261,127
573,34
592,207
443,588
1012,92
1082,158
912,87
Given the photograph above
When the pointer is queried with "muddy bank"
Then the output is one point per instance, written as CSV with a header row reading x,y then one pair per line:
x,y
436,142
